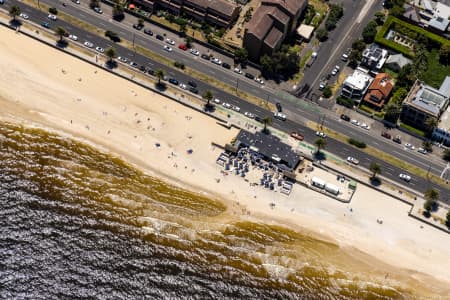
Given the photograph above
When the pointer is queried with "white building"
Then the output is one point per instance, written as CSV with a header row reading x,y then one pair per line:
x,y
441,133
374,57
355,86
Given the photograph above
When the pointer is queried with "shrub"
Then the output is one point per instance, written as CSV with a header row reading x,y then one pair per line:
x,y
369,32
356,143
179,65
321,34
336,12
53,10
345,102
327,92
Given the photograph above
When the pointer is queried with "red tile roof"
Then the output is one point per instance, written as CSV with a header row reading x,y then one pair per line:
x,y
380,88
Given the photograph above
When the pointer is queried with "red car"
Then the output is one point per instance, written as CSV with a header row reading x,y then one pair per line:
x,y
297,136
183,47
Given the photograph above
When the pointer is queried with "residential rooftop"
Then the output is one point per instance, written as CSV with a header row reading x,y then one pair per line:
x,y
426,98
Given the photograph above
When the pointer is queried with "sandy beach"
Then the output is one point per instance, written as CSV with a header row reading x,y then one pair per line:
x,y
40,86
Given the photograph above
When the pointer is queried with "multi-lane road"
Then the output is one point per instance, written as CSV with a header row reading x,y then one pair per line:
x,y
298,111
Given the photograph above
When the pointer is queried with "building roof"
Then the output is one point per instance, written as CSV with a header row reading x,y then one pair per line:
x,y
305,31
268,145
439,22
380,88
358,80
398,59
425,98
375,54
260,23
291,6
273,38
225,7
445,87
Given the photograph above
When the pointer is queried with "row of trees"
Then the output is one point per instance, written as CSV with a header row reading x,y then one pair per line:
x,y
285,61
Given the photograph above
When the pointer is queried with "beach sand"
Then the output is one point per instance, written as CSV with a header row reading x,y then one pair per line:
x,y
40,86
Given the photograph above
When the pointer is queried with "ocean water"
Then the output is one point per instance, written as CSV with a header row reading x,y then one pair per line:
x,y
76,223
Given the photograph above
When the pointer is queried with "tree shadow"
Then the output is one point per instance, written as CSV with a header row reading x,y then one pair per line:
x,y
375,181
266,131
119,18
319,155
209,107
15,23
111,64
62,43
426,214
161,86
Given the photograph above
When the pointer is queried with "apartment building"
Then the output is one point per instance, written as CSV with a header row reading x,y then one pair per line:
x,y
355,86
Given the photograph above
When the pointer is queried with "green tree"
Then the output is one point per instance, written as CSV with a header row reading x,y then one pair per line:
x,y
266,121
427,146
430,124
447,221
369,32
320,144
240,55
14,11
321,34
188,41
159,74
444,54
446,155
248,14
431,194
266,64
379,17
111,53
359,45
118,11
375,168
406,77
354,57
327,92
183,28
208,95
420,62
392,112
60,31
141,22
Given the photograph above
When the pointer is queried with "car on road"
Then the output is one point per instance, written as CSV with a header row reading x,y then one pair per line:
x,y
73,37
405,177
122,59
182,47
323,83
335,70
192,83
397,139
45,24
345,117
321,134
365,126
52,17
98,10
280,116
237,70
148,31
88,44
193,90
352,160
250,76
99,49
236,108
409,146
138,26
76,1
226,66
205,56
167,48
2,2
143,69
249,115
226,105
170,42
194,52
355,122
183,86
346,54
216,61
159,37
216,100
173,81
258,119
423,151
297,136
386,135
24,16
150,71
133,64
259,80
279,108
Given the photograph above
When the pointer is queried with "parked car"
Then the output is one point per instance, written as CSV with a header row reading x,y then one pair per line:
x,y
237,70
138,26
355,122
405,177
250,76
159,37
249,115
193,90
173,81
150,71
122,59
148,31
409,146
216,61
335,70
397,139
345,118
205,56
192,83
226,66
76,1
386,135
226,105
195,52
45,24
182,47
279,108
133,64
143,69
216,100
258,119
98,10
87,44
352,160
99,49
323,84
321,134
280,116
183,86
365,126
297,136
24,16
73,37
167,48
421,150
52,17
236,108
170,42
259,80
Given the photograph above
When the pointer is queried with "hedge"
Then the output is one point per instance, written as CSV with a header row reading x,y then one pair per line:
x,y
380,37
356,143
412,129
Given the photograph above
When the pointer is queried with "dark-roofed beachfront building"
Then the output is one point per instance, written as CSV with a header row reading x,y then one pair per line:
x,y
272,21
269,146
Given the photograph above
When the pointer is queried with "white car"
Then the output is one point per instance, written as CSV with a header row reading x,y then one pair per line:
x,y
237,70
88,44
421,150
321,134
352,160
52,17
405,177
216,61
24,16
335,70
409,146
259,80
355,122
195,52
170,42
122,59
217,101
98,10
226,105
167,48
236,108
73,37
365,126
280,116
249,115
183,86
100,49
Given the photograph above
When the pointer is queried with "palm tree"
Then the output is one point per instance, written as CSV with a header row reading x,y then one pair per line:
x,y
110,53
431,194
375,168
188,41
320,143
183,28
266,121
208,95
14,11
430,123
159,74
61,32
